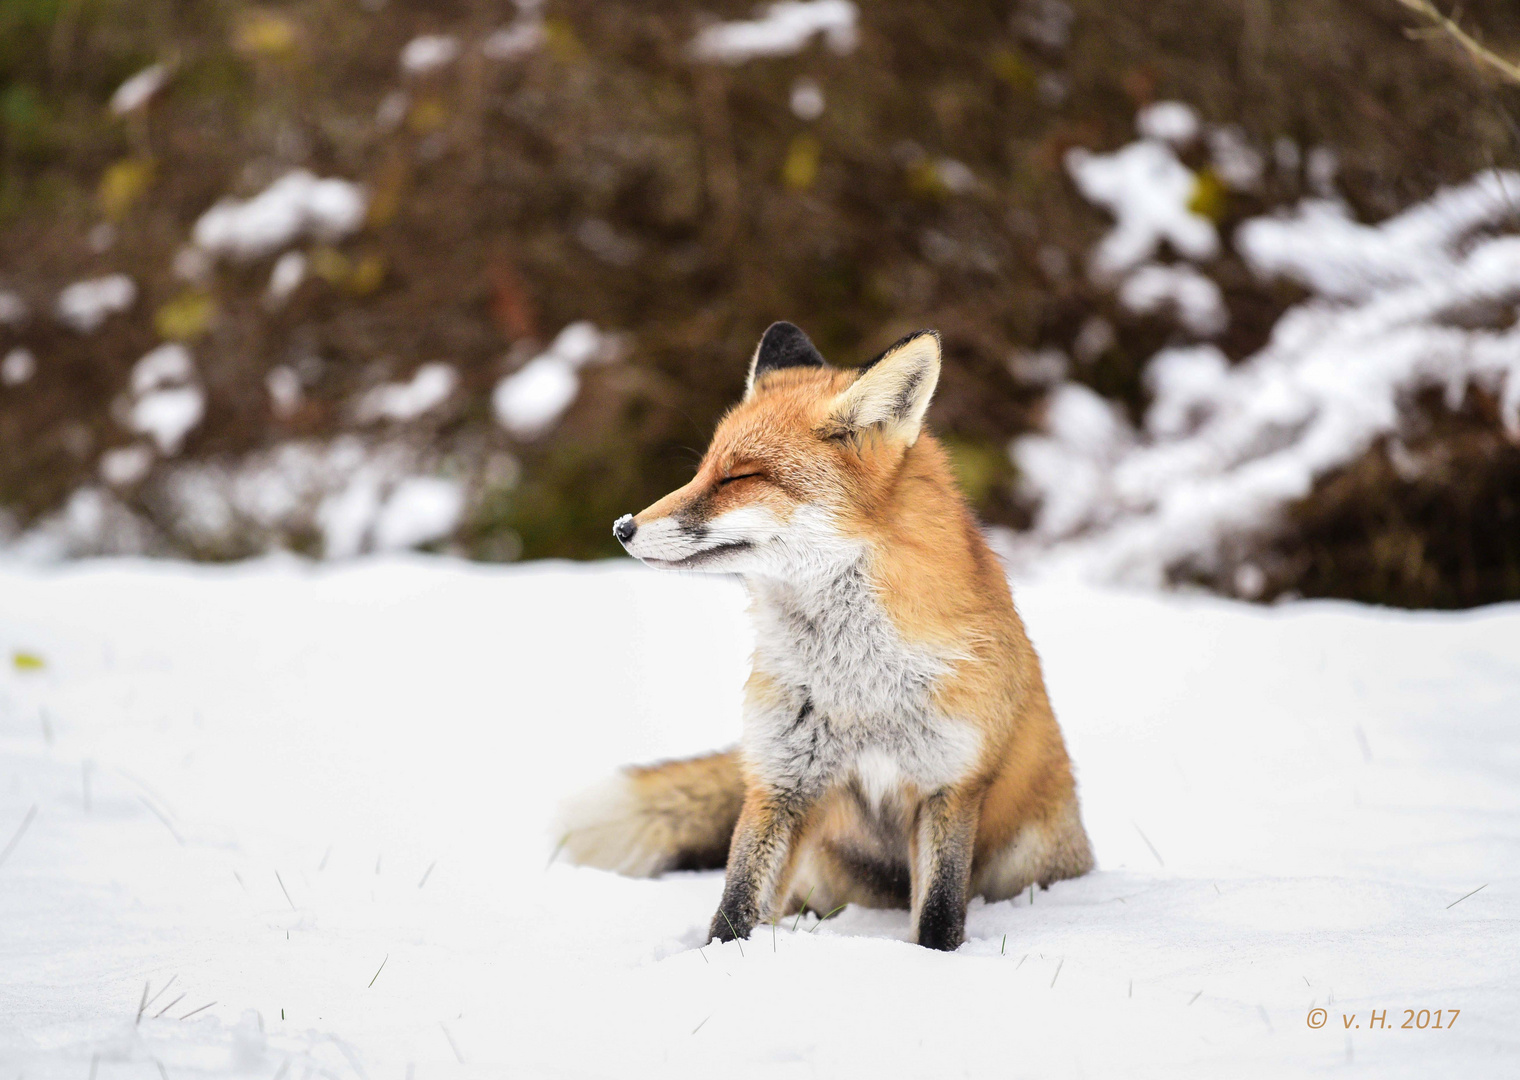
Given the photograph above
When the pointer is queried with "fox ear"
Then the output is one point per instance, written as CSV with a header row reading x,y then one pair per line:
x,y
892,393
781,346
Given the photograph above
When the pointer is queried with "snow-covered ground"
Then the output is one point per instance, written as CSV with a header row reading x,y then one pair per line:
x,y
319,799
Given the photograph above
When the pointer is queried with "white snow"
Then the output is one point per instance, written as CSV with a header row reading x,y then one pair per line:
x,y
126,465
139,89
531,400
166,365
807,99
430,387
420,510
1407,304
518,38
336,490
285,393
168,416
306,811
84,305
1193,296
1321,246
429,53
296,205
1239,164
286,276
783,29
1148,191
1168,121
18,366
166,406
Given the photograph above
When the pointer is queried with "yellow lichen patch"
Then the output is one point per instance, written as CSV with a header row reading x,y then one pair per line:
x,y
926,181
186,317
265,33
427,115
331,265
22,660
561,41
386,192
1210,197
800,170
367,275
1009,67
122,184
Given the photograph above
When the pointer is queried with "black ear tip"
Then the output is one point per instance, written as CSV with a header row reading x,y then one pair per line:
x,y
784,345
899,343
778,332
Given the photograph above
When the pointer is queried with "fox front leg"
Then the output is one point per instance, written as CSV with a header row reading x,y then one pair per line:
x,y
759,859
942,841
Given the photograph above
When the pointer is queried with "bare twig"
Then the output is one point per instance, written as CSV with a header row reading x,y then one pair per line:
x,y
1480,55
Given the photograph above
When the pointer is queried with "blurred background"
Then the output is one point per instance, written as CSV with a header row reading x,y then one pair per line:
x,y
1228,288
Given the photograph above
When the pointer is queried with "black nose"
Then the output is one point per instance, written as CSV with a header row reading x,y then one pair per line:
x,y
624,528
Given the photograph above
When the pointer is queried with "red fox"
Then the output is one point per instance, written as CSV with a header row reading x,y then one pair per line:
x,y
898,747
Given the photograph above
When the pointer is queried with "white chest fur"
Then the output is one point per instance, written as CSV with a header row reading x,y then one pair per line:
x,y
857,699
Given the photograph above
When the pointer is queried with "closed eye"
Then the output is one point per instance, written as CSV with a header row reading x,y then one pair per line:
x,y
737,476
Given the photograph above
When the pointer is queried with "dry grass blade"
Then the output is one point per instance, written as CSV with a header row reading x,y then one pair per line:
x,y
733,931
156,812
378,970
169,1006
161,990
19,833
1480,54
192,1012
454,1046
284,890
814,929
141,1005
1459,899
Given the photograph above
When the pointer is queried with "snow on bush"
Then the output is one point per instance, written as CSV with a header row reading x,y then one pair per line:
x,y
1168,121
167,404
519,37
420,510
84,305
429,388
354,495
429,53
18,366
784,29
286,276
1148,191
1196,300
139,89
1401,306
296,205
126,465
532,399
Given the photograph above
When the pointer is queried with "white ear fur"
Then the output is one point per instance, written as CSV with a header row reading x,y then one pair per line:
x,y
894,392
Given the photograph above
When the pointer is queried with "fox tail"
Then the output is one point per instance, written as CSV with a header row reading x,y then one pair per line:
x,y
677,815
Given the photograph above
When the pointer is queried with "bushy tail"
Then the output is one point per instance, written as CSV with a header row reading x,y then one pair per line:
x,y
677,815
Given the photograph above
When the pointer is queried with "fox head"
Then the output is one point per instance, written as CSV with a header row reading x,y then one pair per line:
x,y
801,469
